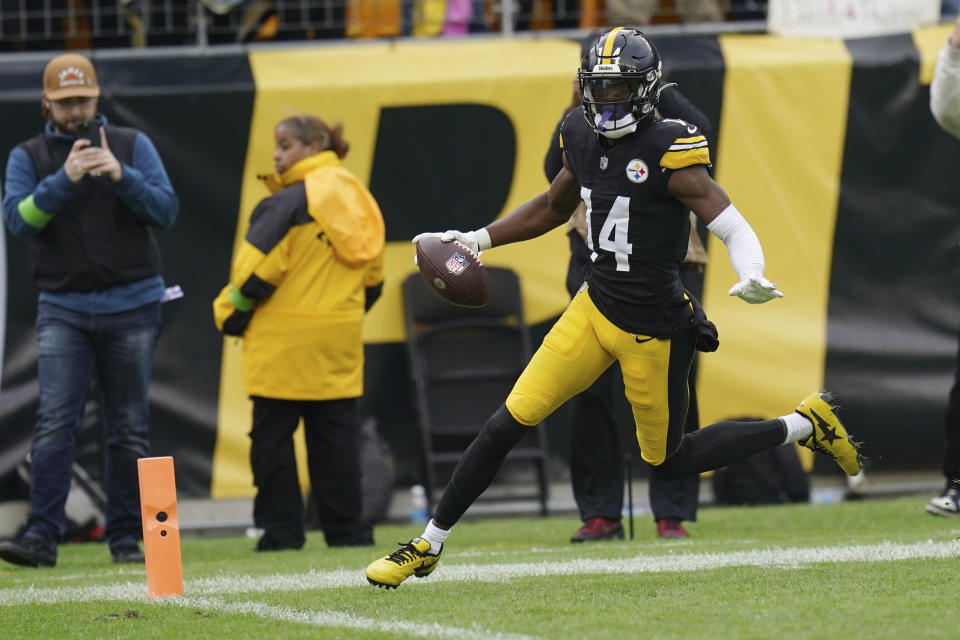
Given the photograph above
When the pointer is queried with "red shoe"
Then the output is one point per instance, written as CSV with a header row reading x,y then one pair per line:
x,y
671,528
598,529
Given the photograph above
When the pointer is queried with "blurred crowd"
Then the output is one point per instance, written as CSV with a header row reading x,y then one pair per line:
x,y
94,24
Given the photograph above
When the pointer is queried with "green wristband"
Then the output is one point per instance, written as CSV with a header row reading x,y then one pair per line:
x,y
240,301
32,214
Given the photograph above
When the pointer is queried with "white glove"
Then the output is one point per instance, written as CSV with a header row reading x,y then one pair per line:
x,y
476,241
755,290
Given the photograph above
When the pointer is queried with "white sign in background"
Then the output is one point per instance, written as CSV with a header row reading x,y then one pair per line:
x,y
849,18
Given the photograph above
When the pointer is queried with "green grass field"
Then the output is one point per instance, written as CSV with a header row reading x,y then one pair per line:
x,y
878,568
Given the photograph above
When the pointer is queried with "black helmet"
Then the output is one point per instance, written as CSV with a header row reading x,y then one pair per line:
x,y
619,81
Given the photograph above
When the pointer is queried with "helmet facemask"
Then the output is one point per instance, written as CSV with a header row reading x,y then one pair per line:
x,y
620,90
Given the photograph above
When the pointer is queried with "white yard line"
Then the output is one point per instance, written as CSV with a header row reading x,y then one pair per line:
x,y
341,620
789,558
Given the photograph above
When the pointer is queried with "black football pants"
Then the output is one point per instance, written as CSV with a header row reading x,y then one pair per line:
x,y
332,433
951,425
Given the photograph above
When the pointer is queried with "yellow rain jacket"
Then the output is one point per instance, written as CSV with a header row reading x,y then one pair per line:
x,y
299,283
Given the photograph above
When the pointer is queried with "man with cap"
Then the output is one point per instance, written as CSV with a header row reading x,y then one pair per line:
x,y
87,206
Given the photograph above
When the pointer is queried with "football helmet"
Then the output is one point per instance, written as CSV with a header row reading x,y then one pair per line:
x,y
619,81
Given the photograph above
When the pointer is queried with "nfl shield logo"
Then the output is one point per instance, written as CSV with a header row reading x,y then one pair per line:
x,y
456,264
603,163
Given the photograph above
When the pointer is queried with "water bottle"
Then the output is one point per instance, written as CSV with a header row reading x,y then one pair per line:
x,y
418,504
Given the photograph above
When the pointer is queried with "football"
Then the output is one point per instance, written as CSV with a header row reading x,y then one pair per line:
x,y
453,272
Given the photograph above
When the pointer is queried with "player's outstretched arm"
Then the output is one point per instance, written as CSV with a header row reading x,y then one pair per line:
x,y
529,220
535,217
694,187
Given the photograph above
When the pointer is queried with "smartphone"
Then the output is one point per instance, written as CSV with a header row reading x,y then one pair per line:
x,y
91,131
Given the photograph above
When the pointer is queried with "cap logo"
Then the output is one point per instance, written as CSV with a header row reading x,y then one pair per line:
x,y
71,77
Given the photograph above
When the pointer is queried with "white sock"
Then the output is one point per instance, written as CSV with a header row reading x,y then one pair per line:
x,y
435,536
799,427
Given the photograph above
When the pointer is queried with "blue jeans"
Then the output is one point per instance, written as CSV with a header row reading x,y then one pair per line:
x,y
71,346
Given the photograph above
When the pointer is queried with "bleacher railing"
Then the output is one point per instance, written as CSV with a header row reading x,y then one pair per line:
x,y
34,25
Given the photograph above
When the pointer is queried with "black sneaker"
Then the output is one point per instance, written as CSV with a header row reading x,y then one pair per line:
x,y
28,552
267,543
127,554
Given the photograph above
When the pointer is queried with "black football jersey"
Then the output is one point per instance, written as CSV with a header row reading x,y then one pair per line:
x,y
637,232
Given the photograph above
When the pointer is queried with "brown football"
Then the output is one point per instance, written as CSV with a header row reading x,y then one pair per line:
x,y
453,272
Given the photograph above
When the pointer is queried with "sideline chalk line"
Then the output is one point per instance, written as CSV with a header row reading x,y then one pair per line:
x,y
779,558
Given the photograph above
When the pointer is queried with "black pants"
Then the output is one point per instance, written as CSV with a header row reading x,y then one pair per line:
x,y
596,458
332,431
951,425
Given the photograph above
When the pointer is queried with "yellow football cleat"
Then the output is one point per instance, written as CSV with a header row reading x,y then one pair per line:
x,y
829,436
413,558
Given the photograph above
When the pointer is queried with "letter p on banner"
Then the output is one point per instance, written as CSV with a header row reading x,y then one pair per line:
x,y
161,528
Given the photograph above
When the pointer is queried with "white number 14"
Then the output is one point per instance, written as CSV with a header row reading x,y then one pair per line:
x,y
613,234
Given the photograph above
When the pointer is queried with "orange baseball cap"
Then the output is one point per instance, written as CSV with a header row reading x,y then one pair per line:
x,y
70,75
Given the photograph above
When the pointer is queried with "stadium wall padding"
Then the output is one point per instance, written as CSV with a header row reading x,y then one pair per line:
x,y
826,146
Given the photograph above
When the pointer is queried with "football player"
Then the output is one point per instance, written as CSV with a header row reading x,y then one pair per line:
x,y
638,175
596,474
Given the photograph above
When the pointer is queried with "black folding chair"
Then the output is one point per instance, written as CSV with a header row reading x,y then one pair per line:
x,y
463,363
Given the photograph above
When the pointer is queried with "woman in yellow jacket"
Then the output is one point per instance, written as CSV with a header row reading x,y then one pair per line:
x,y
310,266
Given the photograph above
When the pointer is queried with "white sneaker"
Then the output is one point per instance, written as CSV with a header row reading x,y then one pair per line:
x,y
948,502
857,485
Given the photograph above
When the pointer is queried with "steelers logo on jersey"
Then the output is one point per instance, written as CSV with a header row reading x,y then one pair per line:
x,y
637,171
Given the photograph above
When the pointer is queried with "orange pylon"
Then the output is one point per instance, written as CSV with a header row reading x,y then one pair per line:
x,y
161,527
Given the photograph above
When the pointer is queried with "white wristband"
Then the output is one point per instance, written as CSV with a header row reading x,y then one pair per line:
x,y
483,238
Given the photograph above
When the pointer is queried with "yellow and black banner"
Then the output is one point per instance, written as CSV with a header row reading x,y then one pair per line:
x,y
826,146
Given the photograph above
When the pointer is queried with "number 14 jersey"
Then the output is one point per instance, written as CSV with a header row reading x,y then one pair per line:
x,y
637,232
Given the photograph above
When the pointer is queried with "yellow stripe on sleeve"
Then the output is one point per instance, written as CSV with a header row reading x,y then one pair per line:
x,y
685,157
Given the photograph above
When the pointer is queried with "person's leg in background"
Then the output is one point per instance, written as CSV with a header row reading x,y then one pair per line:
x,y
948,502
332,429
596,469
596,460
674,500
65,357
278,505
125,344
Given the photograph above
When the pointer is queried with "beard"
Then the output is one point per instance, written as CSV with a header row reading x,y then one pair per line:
x,y
67,120
67,125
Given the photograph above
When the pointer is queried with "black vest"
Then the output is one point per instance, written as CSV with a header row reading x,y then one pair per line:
x,y
95,241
